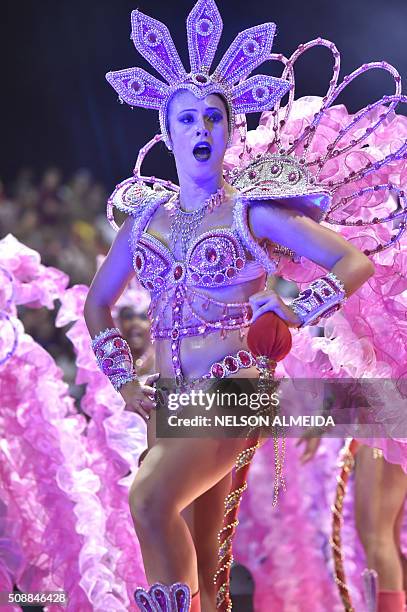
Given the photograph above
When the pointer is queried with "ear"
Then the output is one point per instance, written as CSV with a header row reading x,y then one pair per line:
x,y
168,141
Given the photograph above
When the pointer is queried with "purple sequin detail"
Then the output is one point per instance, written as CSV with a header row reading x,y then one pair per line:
x,y
204,29
246,96
150,94
237,63
173,598
162,55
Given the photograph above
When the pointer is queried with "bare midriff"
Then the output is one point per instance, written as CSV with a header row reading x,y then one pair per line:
x,y
199,352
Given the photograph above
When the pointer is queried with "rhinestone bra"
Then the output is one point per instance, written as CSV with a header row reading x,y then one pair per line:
x,y
216,258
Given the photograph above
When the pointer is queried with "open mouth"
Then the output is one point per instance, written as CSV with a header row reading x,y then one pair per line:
x,y
202,151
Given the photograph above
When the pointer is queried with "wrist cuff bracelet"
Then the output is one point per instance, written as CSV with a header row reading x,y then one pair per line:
x,y
321,299
114,357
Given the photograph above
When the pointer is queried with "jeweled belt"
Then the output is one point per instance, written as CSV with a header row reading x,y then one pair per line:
x,y
228,323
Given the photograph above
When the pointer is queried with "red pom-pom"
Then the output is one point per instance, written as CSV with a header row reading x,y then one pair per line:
x,y
270,337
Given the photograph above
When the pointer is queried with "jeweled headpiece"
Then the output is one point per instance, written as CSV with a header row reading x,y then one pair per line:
x,y
250,48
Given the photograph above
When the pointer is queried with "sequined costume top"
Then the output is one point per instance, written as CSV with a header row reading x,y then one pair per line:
x,y
219,257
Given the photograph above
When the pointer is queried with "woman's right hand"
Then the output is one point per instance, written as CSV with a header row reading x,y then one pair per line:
x,y
140,398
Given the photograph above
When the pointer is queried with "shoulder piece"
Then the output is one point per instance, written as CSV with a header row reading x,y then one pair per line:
x,y
268,254
134,197
284,180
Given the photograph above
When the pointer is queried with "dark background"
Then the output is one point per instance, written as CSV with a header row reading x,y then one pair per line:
x,y
57,109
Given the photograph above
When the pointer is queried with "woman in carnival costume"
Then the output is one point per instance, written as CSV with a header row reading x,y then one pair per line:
x,y
204,250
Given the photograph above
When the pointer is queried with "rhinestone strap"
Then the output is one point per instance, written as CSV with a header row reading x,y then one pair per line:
x,y
114,357
324,296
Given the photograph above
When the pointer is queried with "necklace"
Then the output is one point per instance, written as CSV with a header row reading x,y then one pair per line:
x,y
185,223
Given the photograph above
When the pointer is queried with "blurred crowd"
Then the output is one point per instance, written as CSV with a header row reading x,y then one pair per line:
x,y
65,221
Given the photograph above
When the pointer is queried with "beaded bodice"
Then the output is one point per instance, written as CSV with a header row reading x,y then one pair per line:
x,y
216,258
186,291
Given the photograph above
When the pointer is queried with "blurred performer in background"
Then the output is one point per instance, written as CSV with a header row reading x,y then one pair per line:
x,y
135,328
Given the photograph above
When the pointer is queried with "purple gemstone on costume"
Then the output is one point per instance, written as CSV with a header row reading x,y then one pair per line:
x,y
159,281
259,93
251,47
195,277
292,177
217,370
245,358
274,169
326,291
118,343
174,334
210,254
152,37
230,272
160,597
100,352
178,270
206,279
201,78
137,86
139,262
180,599
219,278
204,27
252,174
232,364
306,294
107,363
149,285
142,599
239,263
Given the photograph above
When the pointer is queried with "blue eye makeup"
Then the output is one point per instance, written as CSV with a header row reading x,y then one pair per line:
x,y
187,118
215,116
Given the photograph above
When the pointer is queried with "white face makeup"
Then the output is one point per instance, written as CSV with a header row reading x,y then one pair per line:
x,y
199,133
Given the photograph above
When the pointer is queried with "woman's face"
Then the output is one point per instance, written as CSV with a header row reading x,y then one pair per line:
x,y
199,133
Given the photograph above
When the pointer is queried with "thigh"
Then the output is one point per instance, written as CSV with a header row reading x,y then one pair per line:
x,y
380,491
179,470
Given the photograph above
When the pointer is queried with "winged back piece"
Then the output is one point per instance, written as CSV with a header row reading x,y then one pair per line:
x,y
336,167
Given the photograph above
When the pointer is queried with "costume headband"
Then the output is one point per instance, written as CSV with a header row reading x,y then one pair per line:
x,y
250,48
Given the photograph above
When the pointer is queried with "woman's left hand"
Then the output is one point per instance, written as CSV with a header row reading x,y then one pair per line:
x,y
270,301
